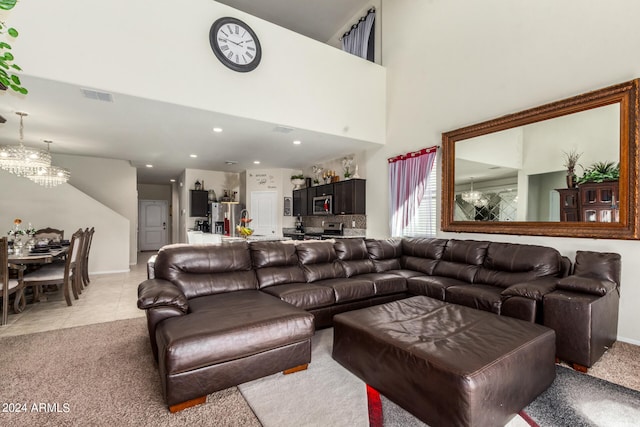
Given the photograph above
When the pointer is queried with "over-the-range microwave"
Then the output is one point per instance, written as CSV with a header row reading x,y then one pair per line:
x,y
322,205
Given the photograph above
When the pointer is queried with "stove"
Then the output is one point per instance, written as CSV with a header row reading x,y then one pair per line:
x,y
331,230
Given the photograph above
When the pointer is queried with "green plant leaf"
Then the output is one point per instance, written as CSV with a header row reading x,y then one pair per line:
x,y
23,91
15,79
16,67
3,64
4,45
12,32
5,81
8,56
7,4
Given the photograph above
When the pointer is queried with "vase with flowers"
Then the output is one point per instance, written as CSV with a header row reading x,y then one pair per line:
x,y
20,236
347,163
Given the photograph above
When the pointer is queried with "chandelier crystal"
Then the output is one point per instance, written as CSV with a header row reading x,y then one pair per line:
x,y
473,197
21,160
50,176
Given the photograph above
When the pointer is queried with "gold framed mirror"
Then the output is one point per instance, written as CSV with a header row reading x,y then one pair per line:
x,y
508,175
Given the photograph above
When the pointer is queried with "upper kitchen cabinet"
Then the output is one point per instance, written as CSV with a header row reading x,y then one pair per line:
x,y
349,197
300,202
199,203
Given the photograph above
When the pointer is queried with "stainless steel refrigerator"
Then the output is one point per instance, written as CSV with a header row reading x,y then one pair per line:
x,y
224,216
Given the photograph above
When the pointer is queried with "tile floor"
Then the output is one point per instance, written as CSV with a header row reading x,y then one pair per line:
x,y
108,297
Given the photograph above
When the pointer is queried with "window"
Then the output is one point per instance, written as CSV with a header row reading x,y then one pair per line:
x,y
423,224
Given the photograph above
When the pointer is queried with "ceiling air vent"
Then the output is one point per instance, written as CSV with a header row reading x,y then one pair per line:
x,y
96,95
282,129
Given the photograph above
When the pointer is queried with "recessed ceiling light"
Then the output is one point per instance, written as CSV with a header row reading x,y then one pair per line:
x,y
297,142
149,166
217,130
193,155
172,180
231,162
256,162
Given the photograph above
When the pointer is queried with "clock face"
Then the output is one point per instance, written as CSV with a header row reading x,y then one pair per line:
x,y
235,44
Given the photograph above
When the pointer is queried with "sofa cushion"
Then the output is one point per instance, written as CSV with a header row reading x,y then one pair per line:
x,y
316,272
481,297
470,252
199,270
316,253
385,283
356,267
303,295
351,249
382,265
455,270
271,276
211,333
423,247
423,265
432,286
384,249
590,285
603,265
272,254
349,289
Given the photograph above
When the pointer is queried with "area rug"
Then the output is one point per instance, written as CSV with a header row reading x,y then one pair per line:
x,y
98,375
327,394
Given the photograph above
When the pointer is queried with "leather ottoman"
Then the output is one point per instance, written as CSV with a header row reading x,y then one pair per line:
x,y
447,364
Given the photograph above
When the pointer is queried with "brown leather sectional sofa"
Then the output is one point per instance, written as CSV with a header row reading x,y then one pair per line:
x,y
220,315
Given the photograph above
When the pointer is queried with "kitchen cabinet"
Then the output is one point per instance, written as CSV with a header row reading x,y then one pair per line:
x,y
349,197
300,202
199,203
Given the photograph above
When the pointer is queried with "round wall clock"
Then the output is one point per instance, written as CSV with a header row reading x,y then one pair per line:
x,y
235,44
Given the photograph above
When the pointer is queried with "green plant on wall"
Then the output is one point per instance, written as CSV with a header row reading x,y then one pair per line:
x,y
7,67
600,172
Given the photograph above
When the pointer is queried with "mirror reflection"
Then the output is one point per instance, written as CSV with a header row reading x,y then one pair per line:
x,y
521,173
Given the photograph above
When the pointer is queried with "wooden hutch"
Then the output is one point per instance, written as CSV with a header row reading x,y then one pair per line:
x,y
590,202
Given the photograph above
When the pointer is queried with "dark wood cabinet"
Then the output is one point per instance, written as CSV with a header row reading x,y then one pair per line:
x,y
590,202
349,197
599,202
199,203
569,204
300,202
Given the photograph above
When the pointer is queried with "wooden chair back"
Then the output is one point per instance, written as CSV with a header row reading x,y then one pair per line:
x,y
49,233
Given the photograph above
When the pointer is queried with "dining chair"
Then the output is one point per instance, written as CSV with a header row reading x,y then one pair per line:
x,y
10,286
49,233
88,238
65,275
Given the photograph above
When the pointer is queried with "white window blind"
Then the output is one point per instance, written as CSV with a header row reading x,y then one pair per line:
x,y
424,222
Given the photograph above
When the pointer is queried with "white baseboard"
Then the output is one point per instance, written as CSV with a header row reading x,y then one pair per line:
x,y
629,341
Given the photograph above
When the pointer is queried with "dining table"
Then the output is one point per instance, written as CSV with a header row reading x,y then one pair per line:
x,y
28,259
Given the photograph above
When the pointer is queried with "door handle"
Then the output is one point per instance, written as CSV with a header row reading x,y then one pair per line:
x,y
164,225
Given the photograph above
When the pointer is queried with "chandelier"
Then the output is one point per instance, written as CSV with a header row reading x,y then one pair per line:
x,y
31,163
50,176
474,197
21,160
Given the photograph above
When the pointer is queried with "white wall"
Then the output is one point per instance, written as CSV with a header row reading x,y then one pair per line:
x,y
112,183
452,63
160,50
67,208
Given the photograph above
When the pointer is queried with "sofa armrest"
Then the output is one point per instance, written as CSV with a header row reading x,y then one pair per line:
x,y
153,293
586,284
534,289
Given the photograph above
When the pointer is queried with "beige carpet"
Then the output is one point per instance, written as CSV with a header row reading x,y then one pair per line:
x,y
98,375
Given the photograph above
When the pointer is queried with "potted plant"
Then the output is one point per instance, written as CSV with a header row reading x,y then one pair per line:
x,y
7,78
297,180
570,162
600,172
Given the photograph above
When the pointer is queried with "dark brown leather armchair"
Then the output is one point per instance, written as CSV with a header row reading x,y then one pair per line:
x,y
583,310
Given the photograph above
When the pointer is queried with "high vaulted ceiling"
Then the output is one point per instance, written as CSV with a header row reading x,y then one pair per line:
x,y
144,131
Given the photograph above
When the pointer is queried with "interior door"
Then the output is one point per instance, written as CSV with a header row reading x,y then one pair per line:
x,y
264,213
152,217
